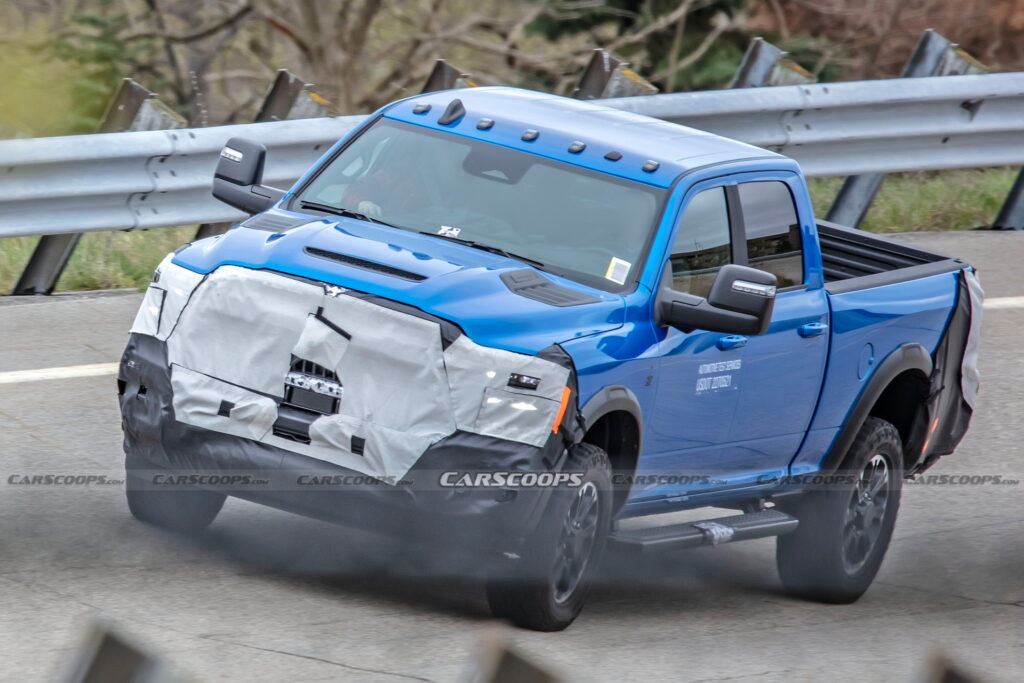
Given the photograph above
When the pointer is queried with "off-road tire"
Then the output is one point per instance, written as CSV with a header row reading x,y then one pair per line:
x,y
827,559
176,509
534,597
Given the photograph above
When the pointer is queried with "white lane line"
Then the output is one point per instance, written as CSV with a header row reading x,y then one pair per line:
x,y
68,372
97,369
1005,302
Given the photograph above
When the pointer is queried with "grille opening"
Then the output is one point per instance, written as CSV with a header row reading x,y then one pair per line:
x,y
308,367
301,406
365,264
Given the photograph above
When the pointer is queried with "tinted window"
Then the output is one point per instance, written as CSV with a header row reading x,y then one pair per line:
x,y
588,226
702,243
774,244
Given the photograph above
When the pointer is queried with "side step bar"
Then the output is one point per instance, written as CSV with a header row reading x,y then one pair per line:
x,y
705,532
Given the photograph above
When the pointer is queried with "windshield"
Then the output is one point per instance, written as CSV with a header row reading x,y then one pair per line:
x,y
584,225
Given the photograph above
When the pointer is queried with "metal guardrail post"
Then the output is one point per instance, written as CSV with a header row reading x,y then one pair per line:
x,y
934,55
607,76
1011,215
288,99
766,65
444,76
132,108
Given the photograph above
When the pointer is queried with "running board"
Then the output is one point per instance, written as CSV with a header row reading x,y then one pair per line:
x,y
759,524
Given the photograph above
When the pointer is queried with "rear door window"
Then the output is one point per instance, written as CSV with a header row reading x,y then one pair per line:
x,y
774,242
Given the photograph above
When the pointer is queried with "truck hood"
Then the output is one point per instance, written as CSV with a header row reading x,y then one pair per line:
x,y
450,280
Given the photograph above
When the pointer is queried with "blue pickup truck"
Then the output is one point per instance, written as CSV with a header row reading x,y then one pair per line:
x,y
509,321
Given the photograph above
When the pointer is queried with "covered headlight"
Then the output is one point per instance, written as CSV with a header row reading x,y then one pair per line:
x,y
504,394
165,297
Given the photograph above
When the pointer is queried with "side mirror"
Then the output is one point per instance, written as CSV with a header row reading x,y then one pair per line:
x,y
740,302
239,177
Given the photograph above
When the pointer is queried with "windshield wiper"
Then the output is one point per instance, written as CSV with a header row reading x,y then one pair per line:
x,y
486,247
342,211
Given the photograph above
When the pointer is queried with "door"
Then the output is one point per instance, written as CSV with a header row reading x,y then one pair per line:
x,y
699,372
783,369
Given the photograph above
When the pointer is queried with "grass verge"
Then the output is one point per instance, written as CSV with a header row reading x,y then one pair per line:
x,y
935,200
103,260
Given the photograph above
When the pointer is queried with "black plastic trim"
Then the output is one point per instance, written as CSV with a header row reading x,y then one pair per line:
x,y
610,399
948,411
906,357
893,277
854,260
365,264
322,318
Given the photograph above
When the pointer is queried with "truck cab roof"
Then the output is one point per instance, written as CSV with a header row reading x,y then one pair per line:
x,y
580,132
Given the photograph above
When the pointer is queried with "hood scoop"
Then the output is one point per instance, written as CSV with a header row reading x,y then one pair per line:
x,y
532,285
365,264
272,222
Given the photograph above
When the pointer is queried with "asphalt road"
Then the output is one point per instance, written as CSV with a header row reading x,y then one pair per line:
x,y
267,596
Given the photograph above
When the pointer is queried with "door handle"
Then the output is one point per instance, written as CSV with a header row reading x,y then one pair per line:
x,y
812,329
733,341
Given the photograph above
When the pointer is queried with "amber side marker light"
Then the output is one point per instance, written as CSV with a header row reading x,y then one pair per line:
x,y
566,395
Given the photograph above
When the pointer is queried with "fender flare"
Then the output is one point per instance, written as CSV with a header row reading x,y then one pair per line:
x,y
610,399
906,357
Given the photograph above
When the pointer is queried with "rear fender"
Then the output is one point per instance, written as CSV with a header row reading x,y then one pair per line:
x,y
904,358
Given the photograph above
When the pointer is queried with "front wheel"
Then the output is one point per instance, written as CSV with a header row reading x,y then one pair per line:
x,y
183,510
845,528
551,582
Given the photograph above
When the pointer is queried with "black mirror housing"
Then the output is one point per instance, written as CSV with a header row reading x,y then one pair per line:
x,y
238,180
741,301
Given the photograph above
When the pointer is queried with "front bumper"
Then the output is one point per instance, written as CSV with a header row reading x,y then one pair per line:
x,y
164,452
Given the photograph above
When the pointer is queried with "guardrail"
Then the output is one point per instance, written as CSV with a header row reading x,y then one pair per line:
x,y
149,179
124,181
62,187
864,126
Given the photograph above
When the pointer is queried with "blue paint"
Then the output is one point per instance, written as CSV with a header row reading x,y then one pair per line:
x,y
788,391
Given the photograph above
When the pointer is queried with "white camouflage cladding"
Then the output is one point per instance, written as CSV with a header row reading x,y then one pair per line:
x,y
231,336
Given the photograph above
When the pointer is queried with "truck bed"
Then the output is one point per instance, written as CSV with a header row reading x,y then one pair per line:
x,y
854,259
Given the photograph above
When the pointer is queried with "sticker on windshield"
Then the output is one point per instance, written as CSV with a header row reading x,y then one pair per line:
x,y
617,271
449,231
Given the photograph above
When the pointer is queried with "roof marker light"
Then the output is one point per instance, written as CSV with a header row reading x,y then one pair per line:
x,y
613,156
577,146
421,109
650,166
529,135
485,124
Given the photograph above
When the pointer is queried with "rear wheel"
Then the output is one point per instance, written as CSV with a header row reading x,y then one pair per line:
x,y
177,509
845,528
549,585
